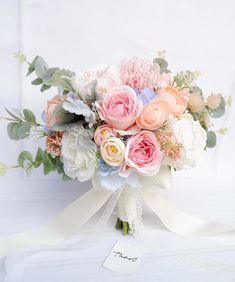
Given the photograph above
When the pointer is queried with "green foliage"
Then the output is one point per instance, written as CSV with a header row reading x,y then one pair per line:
x,y
195,89
211,139
49,163
23,156
48,77
3,169
162,64
20,125
185,79
29,116
18,130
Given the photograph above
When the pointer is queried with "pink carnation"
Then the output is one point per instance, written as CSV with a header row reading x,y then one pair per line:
x,y
139,73
142,154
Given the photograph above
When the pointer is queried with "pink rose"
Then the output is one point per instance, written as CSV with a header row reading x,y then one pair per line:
x,y
153,115
176,99
51,118
103,132
142,154
120,107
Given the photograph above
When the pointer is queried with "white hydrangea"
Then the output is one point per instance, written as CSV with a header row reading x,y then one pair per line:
x,y
79,153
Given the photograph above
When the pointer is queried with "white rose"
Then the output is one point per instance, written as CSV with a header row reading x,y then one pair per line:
x,y
112,151
106,76
79,153
193,138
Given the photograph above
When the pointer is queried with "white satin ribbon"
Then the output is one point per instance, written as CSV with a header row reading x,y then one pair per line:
x,y
81,210
59,228
176,220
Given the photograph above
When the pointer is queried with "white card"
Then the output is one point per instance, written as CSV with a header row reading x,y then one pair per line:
x,y
124,257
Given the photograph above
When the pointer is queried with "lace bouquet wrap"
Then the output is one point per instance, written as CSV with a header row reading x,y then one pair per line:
x,y
125,127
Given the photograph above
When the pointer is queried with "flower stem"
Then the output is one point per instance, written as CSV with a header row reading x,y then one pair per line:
x,y
122,225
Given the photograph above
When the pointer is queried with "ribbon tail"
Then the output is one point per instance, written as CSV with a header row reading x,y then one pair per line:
x,y
60,227
178,221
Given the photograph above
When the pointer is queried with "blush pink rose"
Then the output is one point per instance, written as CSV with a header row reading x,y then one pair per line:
x,y
51,118
103,132
142,154
153,115
176,99
120,107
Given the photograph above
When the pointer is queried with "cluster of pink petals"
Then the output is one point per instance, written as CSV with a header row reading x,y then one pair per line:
x,y
120,107
139,73
143,154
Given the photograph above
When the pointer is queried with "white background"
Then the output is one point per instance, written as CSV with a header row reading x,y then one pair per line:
x,y
77,34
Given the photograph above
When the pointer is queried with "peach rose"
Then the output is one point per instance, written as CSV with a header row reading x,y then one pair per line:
x,y
103,132
142,154
176,99
153,115
51,118
112,151
120,107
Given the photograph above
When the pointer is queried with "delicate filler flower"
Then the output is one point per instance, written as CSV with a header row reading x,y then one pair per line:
x,y
176,99
112,151
171,148
51,118
196,103
213,101
79,153
54,142
139,73
153,115
103,132
142,154
120,107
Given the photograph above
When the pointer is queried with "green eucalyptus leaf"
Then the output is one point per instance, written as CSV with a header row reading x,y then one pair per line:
x,y
47,164
28,167
12,130
31,67
211,139
196,89
162,64
63,79
40,66
59,165
38,158
37,81
23,130
29,116
47,76
45,87
25,155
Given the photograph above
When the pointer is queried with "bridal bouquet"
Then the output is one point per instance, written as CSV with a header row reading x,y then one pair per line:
x,y
123,125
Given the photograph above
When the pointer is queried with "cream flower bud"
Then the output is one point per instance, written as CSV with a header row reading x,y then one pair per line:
x,y
112,151
213,101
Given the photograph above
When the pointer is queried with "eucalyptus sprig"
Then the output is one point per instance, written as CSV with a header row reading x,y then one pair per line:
x,y
20,124
26,161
